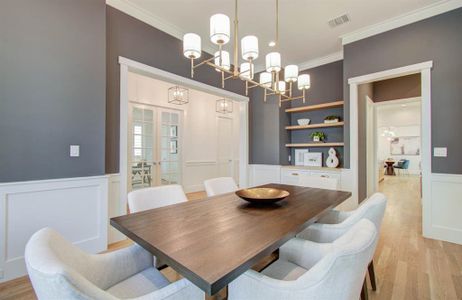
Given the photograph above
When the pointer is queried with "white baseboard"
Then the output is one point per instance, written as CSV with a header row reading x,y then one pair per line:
x,y
75,207
443,212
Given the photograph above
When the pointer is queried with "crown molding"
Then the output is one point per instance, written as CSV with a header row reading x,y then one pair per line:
x,y
324,60
149,18
402,20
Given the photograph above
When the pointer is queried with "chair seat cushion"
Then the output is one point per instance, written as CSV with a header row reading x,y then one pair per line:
x,y
284,270
139,284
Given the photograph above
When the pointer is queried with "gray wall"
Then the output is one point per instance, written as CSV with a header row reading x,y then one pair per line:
x,y
52,88
439,39
133,39
397,88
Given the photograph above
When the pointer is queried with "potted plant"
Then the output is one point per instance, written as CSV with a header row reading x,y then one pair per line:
x,y
318,136
331,119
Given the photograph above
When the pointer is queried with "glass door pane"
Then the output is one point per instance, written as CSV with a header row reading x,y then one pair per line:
x,y
170,170
142,146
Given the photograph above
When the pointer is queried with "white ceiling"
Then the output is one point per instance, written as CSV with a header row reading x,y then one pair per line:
x,y
304,31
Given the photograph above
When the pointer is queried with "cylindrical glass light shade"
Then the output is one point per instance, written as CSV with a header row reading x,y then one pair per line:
x,y
192,45
225,62
246,71
304,82
219,29
273,62
282,87
291,73
266,79
249,47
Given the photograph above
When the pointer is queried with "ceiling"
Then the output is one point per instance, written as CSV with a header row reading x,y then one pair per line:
x,y
304,30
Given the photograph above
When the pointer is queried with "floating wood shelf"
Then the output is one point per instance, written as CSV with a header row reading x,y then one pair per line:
x,y
321,125
315,107
310,145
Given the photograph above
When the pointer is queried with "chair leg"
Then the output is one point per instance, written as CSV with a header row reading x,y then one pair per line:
x,y
372,275
364,295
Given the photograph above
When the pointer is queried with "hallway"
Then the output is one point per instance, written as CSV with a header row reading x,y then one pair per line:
x,y
407,265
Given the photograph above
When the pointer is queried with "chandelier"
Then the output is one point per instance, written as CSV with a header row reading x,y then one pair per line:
x,y
270,80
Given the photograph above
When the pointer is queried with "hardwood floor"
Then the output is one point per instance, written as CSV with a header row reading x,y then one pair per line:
x,y
407,265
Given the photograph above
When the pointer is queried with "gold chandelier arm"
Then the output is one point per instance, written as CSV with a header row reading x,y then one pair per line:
x,y
236,47
277,23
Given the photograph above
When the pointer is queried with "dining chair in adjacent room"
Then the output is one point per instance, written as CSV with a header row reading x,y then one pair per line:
x,y
220,185
154,197
335,223
60,270
402,166
309,270
320,182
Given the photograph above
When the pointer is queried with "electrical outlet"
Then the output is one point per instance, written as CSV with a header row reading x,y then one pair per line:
x,y
440,152
74,151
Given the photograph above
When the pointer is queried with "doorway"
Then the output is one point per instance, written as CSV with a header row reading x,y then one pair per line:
x,y
155,146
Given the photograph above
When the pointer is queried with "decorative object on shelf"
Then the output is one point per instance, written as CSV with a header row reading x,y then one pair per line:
x,y
178,95
299,156
332,160
220,35
224,106
331,119
318,136
262,195
312,159
303,122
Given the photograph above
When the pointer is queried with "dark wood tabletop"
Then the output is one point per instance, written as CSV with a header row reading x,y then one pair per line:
x,y
214,240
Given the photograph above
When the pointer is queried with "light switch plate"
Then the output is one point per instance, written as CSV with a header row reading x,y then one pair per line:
x,y
440,152
74,151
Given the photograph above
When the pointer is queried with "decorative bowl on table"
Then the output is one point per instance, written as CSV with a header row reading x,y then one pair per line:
x,y
262,195
303,122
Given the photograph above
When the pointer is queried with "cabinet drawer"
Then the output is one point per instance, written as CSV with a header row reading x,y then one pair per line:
x,y
291,176
326,174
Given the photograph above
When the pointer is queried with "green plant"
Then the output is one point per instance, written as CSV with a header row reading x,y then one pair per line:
x,y
332,117
319,134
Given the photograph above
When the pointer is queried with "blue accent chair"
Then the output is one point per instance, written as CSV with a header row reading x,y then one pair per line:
x,y
402,166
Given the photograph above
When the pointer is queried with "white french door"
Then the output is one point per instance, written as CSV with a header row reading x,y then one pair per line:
x,y
154,146
225,147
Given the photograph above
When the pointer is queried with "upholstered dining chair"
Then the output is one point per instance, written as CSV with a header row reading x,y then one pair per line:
x,y
309,270
60,270
154,197
220,185
318,182
335,223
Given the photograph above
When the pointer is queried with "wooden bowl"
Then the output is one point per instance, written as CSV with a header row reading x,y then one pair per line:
x,y
262,195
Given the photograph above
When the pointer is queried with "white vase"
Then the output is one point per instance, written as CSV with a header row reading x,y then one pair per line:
x,y
315,138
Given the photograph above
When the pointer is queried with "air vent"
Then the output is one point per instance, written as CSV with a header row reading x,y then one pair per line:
x,y
339,21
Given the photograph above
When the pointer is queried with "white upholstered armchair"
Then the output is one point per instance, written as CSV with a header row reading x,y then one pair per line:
x,y
60,270
335,223
308,270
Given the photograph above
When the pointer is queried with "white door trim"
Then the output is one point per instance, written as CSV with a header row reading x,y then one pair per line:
x,y
127,65
424,69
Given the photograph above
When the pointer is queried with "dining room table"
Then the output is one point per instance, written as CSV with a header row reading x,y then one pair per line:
x,y
214,240
390,169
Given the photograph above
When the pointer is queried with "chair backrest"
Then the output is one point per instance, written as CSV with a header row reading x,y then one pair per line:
x,y
60,270
220,185
372,209
406,164
154,197
340,274
319,182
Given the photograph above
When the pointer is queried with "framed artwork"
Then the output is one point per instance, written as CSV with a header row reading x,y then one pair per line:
x,y
174,131
312,159
405,145
173,147
299,156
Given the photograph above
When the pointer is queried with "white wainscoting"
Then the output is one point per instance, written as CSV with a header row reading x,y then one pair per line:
x,y
195,172
263,174
75,207
115,208
444,214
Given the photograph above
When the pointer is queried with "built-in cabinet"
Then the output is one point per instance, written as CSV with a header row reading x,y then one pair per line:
x,y
292,175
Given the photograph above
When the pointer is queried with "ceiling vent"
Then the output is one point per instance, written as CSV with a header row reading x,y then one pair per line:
x,y
339,21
